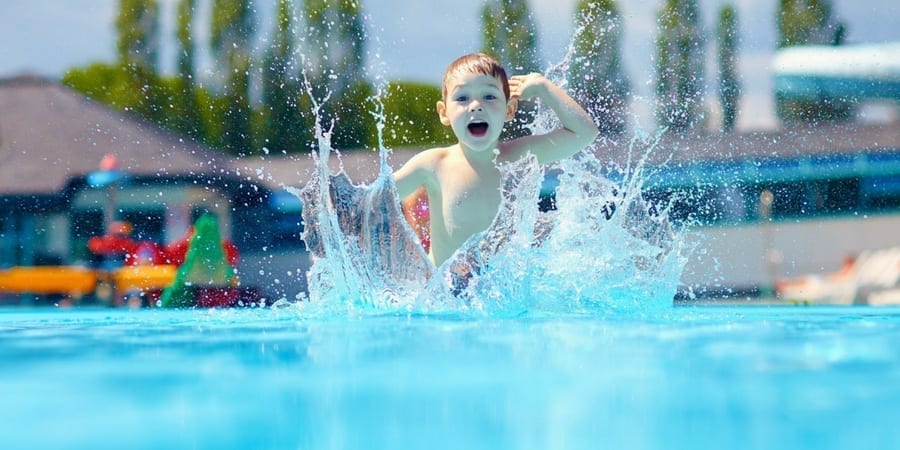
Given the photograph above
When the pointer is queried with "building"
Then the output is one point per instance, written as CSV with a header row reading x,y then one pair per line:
x,y
53,195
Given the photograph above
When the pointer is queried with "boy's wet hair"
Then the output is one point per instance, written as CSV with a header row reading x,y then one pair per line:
x,y
476,63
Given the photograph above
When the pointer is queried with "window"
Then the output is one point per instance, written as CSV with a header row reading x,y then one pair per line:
x,y
84,225
836,196
146,224
881,193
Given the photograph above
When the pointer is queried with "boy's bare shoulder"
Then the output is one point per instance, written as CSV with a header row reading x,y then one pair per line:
x,y
515,149
431,156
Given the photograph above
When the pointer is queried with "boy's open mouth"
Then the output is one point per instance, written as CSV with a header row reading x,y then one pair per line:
x,y
478,129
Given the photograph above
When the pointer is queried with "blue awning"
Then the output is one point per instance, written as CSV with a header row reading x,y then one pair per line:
x,y
870,71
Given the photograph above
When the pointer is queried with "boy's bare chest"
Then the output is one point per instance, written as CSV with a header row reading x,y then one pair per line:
x,y
462,198
470,199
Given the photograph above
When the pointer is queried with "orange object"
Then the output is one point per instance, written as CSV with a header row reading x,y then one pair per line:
x,y
144,277
42,280
109,162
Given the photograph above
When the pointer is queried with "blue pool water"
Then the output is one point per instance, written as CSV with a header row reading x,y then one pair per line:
x,y
684,377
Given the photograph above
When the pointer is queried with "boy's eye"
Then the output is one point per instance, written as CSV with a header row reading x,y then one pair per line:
x,y
462,98
490,97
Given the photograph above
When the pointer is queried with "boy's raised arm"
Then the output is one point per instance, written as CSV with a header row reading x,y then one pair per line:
x,y
578,128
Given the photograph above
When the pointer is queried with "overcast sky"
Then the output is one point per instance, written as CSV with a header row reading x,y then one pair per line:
x,y
415,39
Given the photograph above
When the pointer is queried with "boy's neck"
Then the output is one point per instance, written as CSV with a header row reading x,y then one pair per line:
x,y
480,159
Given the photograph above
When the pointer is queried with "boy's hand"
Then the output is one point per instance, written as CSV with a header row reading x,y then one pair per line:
x,y
524,87
577,130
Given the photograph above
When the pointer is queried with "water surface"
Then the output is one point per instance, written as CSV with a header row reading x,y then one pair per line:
x,y
687,377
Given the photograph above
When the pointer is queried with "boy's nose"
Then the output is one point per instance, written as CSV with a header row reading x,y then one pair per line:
x,y
475,106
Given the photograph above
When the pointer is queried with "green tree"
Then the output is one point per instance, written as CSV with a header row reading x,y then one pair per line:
x,y
411,117
334,49
284,127
137,25
807,22
596,75
109,84
810,22
334,44
232,30
729,86
116,85
212,108
510,35
184,115
679,66
137,28
131,84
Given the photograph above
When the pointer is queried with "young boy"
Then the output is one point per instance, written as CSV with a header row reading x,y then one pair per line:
x,y
462,181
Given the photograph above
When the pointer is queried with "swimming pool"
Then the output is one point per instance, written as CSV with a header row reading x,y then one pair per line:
x,y
687,377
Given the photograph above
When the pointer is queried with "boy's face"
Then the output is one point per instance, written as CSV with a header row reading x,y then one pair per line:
x,y
475,108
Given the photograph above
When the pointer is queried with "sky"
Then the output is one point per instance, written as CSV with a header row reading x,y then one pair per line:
x,y
414,40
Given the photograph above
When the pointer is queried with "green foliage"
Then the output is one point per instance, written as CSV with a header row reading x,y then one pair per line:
x,y
679,66
334,54
510,35
596,74
137,25
212,109
231,26
123,87
411,118
814,111
185,116
137,91
136,85
729,86
806,22
334,45
231,36
223,117
238,138
103,83
280,114
810,22
354,123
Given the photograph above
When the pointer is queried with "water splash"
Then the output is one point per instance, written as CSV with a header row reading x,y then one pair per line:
x,y
604,250
365,255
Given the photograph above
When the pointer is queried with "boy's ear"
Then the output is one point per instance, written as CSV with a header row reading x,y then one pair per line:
x,y
442,112
511,107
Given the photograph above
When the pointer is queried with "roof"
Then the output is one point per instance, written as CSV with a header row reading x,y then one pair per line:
x,y
296,170
49,133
